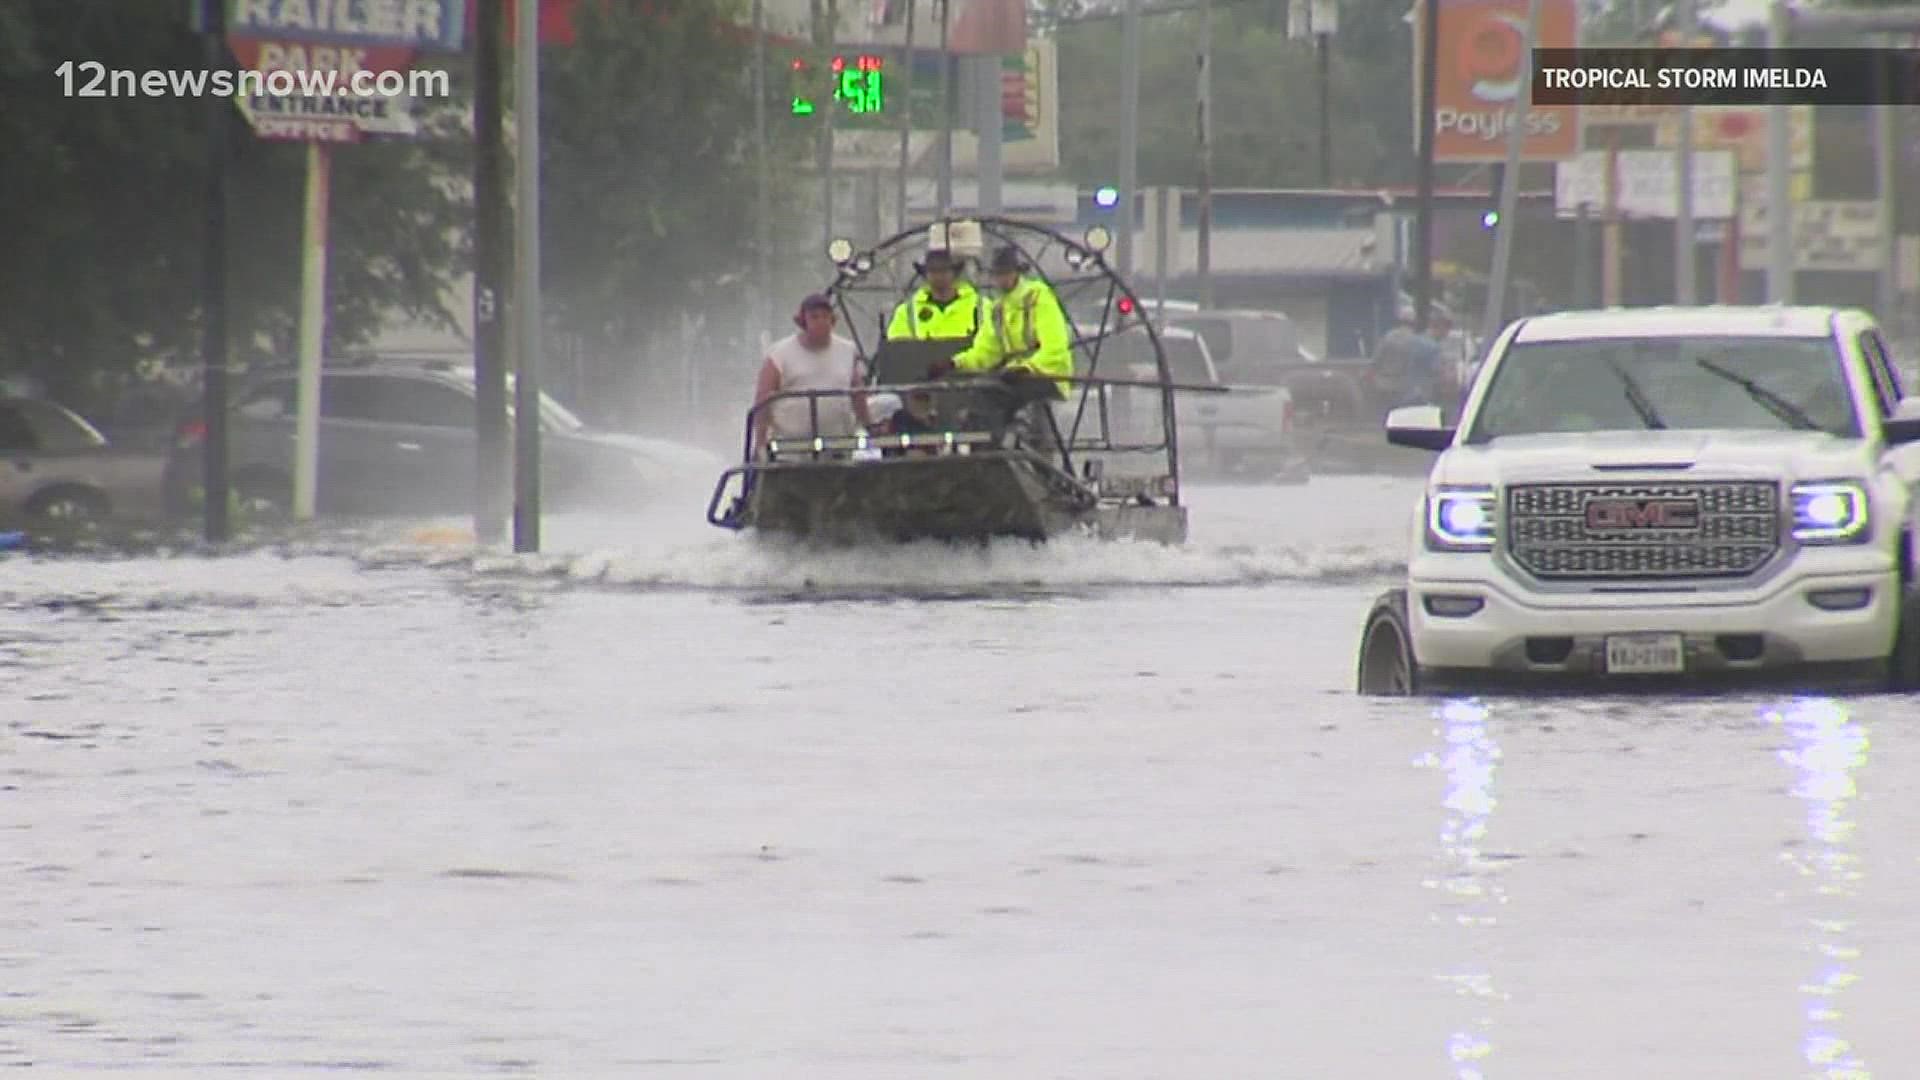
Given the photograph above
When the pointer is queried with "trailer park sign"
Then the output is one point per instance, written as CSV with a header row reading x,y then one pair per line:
x,y
313,39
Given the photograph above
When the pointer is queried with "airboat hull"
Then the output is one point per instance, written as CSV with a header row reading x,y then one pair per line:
x,y
951,498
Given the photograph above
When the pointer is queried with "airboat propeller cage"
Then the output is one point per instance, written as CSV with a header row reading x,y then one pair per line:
x,y
1103,458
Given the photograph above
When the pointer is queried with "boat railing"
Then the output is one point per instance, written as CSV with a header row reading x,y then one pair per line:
x,y
815,442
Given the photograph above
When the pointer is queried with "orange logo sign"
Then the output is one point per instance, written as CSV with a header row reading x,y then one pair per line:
x,y
1481,42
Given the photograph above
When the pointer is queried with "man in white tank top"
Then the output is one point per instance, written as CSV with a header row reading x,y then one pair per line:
x,y
814,358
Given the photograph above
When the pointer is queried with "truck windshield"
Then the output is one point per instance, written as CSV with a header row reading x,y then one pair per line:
x,y
1631,384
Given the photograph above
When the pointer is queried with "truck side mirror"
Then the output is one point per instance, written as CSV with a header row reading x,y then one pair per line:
x,y
1420,427
1904,425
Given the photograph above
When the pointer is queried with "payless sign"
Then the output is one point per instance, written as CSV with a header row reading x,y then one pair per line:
x,y
1480,52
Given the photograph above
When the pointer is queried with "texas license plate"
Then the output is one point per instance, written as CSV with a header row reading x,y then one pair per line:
x,y
1645,654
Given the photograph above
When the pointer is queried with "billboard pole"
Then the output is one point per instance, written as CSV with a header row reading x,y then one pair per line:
x,y
1510,179
313,332
1685,268
1129,135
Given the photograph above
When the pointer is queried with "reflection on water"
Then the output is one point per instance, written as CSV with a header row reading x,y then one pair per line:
x,y
1471,890
1827,746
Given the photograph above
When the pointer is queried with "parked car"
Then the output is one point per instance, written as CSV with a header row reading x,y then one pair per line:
x,y
400,438
1250,347
1247,427
56,468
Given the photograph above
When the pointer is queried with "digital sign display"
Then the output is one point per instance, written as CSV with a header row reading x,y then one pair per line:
x,y
857,83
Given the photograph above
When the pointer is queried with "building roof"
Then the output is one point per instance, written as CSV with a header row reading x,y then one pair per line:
x,y
1759,320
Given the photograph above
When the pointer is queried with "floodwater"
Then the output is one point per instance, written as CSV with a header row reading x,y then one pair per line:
x,y
666,803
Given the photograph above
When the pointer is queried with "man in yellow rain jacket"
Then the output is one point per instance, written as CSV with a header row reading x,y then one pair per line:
x,y
946,307
1025,340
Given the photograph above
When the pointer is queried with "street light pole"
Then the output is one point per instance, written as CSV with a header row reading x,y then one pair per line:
x,y
947,94
526,380
213,288
1423,221
763,195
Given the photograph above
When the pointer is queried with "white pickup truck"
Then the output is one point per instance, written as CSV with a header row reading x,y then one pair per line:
x,y
1249,429
1660,494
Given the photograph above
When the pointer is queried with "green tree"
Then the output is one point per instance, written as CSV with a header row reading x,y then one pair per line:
x,y
102,206
648,168
1266,99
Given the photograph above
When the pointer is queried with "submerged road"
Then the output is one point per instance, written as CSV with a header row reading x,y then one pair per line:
x,y
663,803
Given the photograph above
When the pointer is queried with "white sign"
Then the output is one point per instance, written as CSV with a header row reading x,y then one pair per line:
x,y
336,118
1828,234
1647,185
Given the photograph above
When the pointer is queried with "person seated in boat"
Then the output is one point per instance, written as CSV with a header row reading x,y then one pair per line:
x,y
947,307
1024,338
811,358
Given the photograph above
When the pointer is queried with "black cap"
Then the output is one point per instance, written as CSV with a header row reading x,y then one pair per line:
x,y
813,302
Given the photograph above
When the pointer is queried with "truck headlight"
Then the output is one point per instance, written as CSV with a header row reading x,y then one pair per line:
x,y
1461,519
1830,513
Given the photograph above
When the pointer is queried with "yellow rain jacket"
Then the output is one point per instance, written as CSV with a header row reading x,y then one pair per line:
x,y
922,318
1024,330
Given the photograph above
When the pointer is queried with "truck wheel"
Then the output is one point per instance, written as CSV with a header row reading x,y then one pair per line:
x,y
1387,667
1903,665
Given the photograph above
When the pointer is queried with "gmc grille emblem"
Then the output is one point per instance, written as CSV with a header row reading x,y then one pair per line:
x,y
1643,514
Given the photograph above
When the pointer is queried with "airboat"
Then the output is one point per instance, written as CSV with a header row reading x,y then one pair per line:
x,y
1105,462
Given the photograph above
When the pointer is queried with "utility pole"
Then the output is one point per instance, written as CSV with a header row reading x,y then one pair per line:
x,y
213,285
988,121
948,76
1685,265
526,381
1780,253
1323,31
1510,180
831,33
1886,156
1205,104
1129,134
1423,226
491,246
763,212
906,119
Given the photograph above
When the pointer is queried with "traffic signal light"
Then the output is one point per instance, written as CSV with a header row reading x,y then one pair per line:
x,y
1490,218
1106,197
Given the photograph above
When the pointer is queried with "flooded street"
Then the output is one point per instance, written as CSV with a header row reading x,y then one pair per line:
x,y
664,803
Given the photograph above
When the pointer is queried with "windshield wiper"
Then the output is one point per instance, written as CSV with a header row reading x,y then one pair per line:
x,y
1637,397
1782,409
